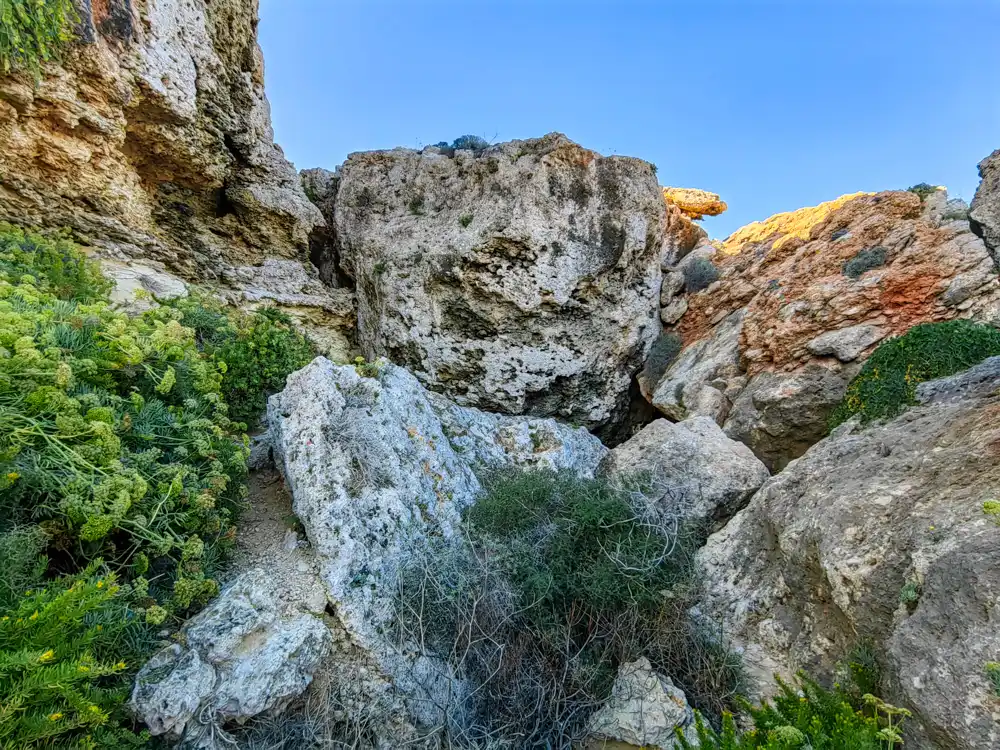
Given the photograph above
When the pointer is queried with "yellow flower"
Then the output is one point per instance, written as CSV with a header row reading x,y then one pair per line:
x,y
83,668
120,665
13,476
55,717
100,584
34,615
47,656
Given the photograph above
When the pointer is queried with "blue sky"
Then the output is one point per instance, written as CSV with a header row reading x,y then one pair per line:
x,y
772,104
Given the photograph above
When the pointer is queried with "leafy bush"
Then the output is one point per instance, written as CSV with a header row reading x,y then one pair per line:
x,y
806,716
922,189
887,383
471,142
993,674
33,31
661,355
464,220
567,579
259,350
865,260
115,445
699,274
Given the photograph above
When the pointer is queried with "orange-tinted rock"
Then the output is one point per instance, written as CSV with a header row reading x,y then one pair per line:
x,y
821,288
693,203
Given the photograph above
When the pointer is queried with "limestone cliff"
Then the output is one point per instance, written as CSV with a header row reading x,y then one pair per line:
x,y
790,307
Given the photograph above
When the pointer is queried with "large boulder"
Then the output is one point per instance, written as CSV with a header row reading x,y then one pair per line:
x,y
816,291
251,651
378,467
878,535
984,214
699,476
522,278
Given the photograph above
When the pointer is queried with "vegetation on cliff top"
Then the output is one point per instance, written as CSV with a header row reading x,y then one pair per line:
x,y
888,382
121,476
33,32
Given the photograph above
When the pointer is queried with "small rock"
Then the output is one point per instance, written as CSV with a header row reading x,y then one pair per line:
x,y
846,344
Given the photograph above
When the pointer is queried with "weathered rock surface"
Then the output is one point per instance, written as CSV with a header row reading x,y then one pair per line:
x,y
819,559
645,710
377,467
801,310
779,416
694,203
705,378
984,214
252,650
139,285
703,477
523,278
152,140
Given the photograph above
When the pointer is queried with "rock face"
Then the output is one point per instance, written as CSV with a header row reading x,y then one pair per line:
x,y
252,650
645,710
704,476
984,214
523,278
694,203
152,140
378,467
816,291
879,535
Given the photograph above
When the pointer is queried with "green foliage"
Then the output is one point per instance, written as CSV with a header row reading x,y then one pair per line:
x,y
259,350
805,716
416,204
699,274
567,580
922,189
118,461
53,261
887,383
661,355
464,220
865,260
33,32
62,668
992,509
864,670
910,593
993,674
598,554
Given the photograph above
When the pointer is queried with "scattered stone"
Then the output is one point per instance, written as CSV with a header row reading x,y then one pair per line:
x,y
251,651
645,710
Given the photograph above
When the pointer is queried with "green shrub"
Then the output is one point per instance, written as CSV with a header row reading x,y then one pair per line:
x,y
567,580
887,383
699,274
33,31
259,349
922,189
464,220
865,260
63,668
806,716
661,355
993,674
55,262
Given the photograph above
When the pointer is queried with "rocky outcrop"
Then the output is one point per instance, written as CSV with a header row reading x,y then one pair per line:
x,y
152,140
523,278
378,467
699,476
816,291
879,535
645,710
694,203
984,214
251,651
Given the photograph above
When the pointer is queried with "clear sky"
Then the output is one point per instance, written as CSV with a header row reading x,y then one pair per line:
x,y
773,104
